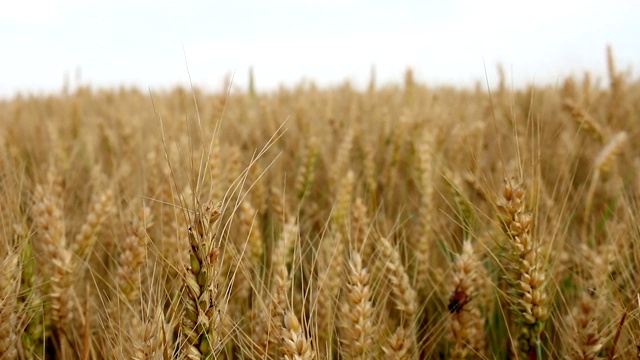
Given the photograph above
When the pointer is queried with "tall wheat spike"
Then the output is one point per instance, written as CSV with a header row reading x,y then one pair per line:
x,y
466,323
48,215
426,213
330,265
201,318
357,321
403,294
529,278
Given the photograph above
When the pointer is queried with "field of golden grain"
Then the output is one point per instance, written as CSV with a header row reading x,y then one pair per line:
x,y
398,222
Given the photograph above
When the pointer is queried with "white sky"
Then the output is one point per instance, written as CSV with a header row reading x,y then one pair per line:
x,y
141,42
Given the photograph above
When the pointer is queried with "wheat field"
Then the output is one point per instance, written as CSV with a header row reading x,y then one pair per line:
x,y
396,222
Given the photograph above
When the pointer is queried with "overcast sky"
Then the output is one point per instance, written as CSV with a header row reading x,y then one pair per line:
x,y
150,43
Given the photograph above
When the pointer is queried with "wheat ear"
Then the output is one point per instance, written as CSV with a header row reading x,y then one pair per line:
x,y
602,165
342,159
9,286
294,342
216,173
466,324
86,238
398,345
281,280
403,293
153,340
426,213
248,257
588,334
267,318
330,263
357,325
529,280
133,255
38,324
201,318
585,121
306,173
360,228
343,202
48,216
